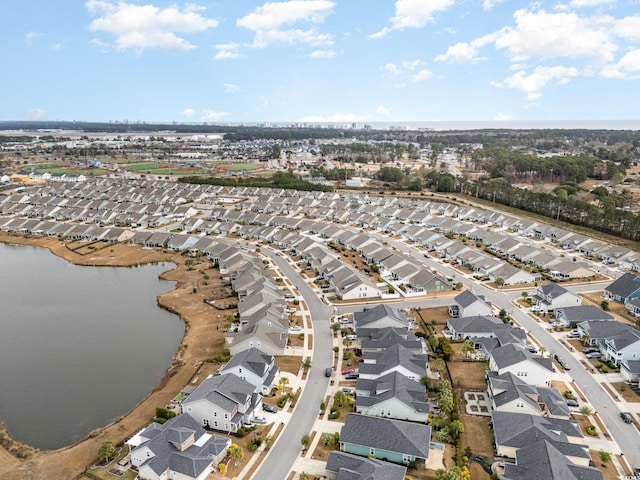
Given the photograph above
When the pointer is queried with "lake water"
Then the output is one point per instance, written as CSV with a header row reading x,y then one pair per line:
x,y
79,346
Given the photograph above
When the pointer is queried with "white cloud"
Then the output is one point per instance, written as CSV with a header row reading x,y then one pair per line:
x,y
269,20
35,114
208,115
423,74
231,87
227,51
412,65
413,14
501,117
391,69
589,3
627,27
139,27
56,46
489,4
383,111
555,35
463,52
323,54
628,64
188,112
533,84
31,36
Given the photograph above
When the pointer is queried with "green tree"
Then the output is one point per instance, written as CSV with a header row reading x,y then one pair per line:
x,y
235,453
468,347
339,398
106,451
305,364
605,457
305,440
604,305
456,427
443,435
454,473
268,441
584,410
426,381
347,342
335,328
500,282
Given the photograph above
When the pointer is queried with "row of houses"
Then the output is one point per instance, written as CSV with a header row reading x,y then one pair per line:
x,y
531,422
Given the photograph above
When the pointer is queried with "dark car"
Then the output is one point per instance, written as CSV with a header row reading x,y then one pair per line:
x,y
327,372
269,408
626,417
572,403
351,376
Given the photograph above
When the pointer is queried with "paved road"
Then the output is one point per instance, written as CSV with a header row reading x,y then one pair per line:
x,y
626,436
288,447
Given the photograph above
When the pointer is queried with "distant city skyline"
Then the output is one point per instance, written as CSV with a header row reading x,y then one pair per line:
x,y
320,61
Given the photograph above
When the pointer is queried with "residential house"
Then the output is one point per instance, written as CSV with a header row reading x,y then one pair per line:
x,y
344,466
630,370
254,366
571,316
477,326
395,441
516,431
466,304
510,393
380,316
617,341
624,288
222,402
268,336
543,460
551,296
393,359
179,448
518,361
378,339
392,396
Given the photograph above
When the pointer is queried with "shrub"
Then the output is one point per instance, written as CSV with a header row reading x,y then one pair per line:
x,y
591,430
240,433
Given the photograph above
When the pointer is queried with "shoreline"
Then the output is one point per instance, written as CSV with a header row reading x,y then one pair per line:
x,y
71,461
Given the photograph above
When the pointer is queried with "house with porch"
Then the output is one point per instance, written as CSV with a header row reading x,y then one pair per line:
x,y
551,296
467,304
518,361
624,288
254,366
395,441
179,448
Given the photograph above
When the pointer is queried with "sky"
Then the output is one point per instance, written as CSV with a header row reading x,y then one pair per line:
x,y
337,61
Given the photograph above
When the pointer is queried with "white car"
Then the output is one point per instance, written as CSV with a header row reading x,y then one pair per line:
x,y
260,420
344,320
295,328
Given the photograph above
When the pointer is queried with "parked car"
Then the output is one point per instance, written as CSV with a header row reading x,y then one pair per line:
x,y
295,328
352,376
348,391
260,420
593,355
626,417
572,403
347,371
573,334
590,350
536,309
532,348
269,408
344,320
327,372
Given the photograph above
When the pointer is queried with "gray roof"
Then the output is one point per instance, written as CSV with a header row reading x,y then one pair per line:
x,y
161,440
519,430
466,298
511,354
475,324
632,365
398,436
582,313
543,461
553,290
353,467
393,385
226,391
624,285
252,359
396,355
380,338
618,333
364,318
507,387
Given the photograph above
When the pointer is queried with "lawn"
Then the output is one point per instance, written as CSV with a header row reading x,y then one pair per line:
x,y
625,391
468,375
433,317
238,167
288,363
477,435
609,471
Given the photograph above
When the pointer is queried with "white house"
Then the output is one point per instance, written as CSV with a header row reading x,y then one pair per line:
x,y
254,366
516,360
551,296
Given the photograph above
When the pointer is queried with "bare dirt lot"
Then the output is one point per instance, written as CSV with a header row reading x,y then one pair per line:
x,y
202,341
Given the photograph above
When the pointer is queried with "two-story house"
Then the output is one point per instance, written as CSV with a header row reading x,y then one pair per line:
x,y
254,366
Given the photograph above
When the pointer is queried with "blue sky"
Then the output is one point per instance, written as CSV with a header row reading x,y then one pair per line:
x,y
319,60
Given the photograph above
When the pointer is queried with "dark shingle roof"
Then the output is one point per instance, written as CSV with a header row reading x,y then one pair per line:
x,y
352,467
407,438
624,285
392,385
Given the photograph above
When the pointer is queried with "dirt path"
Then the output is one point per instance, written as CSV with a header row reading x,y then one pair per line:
x,y
203,340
